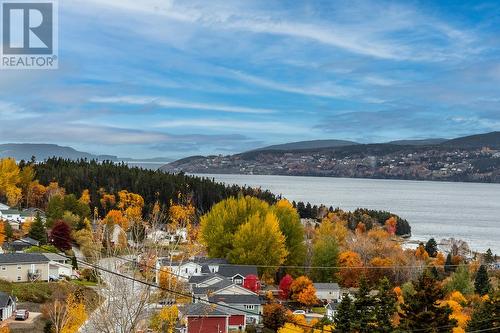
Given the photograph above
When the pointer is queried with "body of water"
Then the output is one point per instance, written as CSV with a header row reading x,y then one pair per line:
x,y
468,211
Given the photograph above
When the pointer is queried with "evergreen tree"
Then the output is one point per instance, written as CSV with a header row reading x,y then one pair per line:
x,y
37,230
486,316
345,315
363,309
74,262
9,232
385,307
448,265
423,312
488,257
431,247
482,282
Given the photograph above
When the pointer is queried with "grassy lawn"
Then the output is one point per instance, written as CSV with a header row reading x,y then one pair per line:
x,y
84,283
319,310
36,292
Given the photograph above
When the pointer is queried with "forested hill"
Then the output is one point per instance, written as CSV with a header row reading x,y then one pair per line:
x,y
470,159
76,176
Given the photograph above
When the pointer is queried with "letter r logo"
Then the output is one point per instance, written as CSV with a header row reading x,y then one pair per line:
x,y
27,27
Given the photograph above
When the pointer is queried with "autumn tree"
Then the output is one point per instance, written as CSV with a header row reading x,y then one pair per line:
x,y
274,316
302,290
292,229
259,241
116,217
60,236
251,282
67,316
37,230
285,285
9,180
165,320
482,281
421,253
2,233
423,311
325,252
350,268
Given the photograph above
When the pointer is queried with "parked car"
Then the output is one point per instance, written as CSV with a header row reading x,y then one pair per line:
x,y
299,312
22,314
53,278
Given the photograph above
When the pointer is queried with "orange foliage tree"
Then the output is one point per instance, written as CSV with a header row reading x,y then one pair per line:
x,y
350,269
303,291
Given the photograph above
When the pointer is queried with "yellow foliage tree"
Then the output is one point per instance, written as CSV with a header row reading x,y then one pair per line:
x,y
165,320
77,315
9,179
290,328
85,197
2,232
131,205
302,290
116,217
421,253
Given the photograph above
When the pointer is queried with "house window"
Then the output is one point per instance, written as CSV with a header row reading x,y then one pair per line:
x,y
19,267
249,307
4,268
238,281
19,278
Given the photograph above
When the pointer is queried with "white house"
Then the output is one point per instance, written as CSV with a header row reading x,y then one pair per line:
x,y
197,266
328,292
166,237
59,265
331,310
7,306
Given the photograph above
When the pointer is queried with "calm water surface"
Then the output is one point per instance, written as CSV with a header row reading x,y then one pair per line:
x,y
467,211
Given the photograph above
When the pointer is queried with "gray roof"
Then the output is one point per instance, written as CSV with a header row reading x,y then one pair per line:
x,y
55,256
216,286
201,278
326,286
5,299
15,258
197,260
332,306
201,309
236,299
231,270
27,240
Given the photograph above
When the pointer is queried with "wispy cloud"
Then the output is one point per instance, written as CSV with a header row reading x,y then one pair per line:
x,y
174,104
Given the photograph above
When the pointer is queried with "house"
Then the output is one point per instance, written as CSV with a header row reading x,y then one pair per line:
x,y
7,306
218,289
251,305
331,310
19,245
165,238
208,318
197,266
59,265
15,217
327,292
24,267
237,273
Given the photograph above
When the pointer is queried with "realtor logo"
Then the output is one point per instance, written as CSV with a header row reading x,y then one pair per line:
x,y
29,34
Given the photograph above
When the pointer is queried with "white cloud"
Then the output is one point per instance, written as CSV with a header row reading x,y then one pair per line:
x,y
242,125
173,104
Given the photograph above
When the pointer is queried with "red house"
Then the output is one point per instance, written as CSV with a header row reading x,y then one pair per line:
x,y
208,318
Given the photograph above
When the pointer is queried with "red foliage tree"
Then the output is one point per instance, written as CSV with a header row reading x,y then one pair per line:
x,y
252,283
285,284
60,236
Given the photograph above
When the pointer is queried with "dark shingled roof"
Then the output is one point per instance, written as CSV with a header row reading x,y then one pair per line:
x,y
15,258
201,278
326,286
5,299
231,270
236,299
212,288
201,309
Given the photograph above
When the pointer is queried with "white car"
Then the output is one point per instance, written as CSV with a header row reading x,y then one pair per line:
x,y
299,312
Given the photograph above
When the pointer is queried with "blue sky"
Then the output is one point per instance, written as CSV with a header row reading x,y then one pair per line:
x,y
176,78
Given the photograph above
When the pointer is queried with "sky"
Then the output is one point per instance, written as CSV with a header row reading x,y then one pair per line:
x,y
174,78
